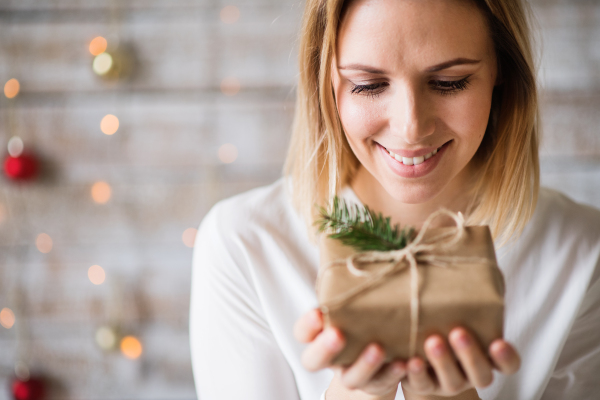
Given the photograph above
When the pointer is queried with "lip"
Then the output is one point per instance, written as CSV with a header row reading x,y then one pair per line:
x,y
414,171
412,153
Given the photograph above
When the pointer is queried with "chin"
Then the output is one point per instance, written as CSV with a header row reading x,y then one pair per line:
x,y
413,193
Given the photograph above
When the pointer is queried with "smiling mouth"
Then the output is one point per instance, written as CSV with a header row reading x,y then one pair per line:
x,y
413,160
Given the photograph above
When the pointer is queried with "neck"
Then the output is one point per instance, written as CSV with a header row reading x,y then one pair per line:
x,y
373,194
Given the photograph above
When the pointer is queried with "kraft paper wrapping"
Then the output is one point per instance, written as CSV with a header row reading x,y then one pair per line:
x,y
467,292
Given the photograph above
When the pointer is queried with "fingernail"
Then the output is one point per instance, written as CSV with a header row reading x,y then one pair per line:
x,y
398,369
332,340
372,355
504,352
416,368
437,350
463,341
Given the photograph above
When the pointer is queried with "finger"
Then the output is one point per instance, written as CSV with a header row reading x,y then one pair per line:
x,y
505,357
451,379
474,362
419,380
323,349
387,378
364,368
308,326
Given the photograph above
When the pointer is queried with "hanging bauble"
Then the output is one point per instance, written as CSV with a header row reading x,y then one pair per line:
x,y
22,168
30,389
19,165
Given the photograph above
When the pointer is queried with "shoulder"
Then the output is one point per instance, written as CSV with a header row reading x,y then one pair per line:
x,y
253,228
262,209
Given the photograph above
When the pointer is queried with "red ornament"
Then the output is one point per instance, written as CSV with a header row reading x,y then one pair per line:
x,y
21,168
32,389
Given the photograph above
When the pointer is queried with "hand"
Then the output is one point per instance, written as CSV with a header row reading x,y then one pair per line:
x,y
460,366
368,373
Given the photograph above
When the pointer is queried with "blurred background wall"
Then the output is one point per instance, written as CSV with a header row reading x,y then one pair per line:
x,y
95,252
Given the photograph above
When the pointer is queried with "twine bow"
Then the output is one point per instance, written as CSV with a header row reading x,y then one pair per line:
x,y
419,250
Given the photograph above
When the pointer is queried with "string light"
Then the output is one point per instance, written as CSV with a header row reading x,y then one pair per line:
x,y
131,347
96,274
228,153
7,318
15,146
12,88
98,45
189,236
230,86
43,242
230,14
102,64
109,124
106,338
101,192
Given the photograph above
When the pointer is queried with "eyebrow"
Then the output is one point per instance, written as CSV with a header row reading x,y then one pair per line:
x,y
434,68
452,63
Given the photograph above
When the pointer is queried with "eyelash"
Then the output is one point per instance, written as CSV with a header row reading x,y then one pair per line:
x,y
444,88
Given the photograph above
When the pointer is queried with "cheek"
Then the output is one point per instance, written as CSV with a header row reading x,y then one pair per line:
x,y
468,116
361,117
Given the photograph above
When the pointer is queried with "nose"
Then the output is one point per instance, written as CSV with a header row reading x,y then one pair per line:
x,y
411,117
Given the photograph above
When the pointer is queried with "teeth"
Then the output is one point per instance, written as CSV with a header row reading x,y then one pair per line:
x,y
413,160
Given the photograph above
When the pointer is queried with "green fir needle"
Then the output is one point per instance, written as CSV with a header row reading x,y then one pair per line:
x,y
361,228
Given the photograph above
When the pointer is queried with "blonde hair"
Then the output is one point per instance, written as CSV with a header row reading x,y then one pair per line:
x,y
320,161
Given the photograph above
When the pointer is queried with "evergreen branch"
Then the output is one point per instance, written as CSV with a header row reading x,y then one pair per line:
x,y
361,228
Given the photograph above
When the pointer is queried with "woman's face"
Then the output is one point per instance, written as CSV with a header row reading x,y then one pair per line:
x,y
413,82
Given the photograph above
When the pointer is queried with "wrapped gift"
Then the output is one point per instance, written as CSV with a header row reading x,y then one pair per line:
x,y
444,278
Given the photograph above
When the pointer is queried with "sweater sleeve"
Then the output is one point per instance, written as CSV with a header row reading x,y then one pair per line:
x,y
234,353
576,373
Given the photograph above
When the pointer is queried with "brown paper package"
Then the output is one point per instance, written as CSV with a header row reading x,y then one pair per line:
x,y
468,294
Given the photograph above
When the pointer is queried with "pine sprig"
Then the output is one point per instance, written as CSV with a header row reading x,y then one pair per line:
x,y
361,228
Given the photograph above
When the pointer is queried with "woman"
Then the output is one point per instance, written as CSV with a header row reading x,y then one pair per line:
x,y
405,106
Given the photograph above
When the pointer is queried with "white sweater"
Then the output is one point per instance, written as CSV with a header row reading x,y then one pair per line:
x,y
254,272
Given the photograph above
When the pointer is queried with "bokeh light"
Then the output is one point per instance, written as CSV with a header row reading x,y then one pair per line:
x,y
15,146
230,86
96,274
43,242
109,124
106,338
12,88
228,153
131,347
102,63
7,318
22,371
98,45
101,192
189,236
230,14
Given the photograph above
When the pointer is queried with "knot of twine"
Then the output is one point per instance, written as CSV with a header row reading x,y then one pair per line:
x,y
417,251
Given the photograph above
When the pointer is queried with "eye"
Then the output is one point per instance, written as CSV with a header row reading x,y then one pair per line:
x,y
372,89
450,87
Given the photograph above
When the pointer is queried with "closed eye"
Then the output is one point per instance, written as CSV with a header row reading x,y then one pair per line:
x,y
372,89
449,87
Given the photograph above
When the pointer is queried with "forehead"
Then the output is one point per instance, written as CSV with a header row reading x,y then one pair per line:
x,y
395,33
